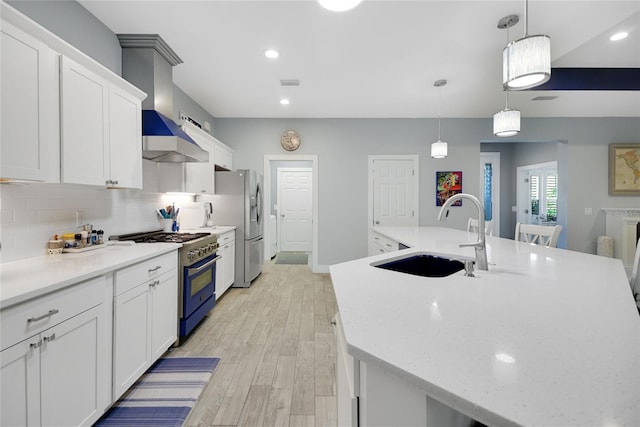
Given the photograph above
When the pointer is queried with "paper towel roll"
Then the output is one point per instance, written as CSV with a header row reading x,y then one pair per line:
x,y
605,246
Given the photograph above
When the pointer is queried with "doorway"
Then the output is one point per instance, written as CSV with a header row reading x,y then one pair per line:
x,y
271,164
294,210
393,190
538,193
490,188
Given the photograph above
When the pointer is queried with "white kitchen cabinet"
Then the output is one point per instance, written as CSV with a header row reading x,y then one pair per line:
x,y
347,379
57,373
100,130
222,156
145,317
30,113
226,265
379,244
199,177
125,139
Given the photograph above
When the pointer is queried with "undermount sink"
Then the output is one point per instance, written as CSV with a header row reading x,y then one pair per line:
x,y
422,264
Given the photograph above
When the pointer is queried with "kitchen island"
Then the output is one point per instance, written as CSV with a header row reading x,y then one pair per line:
x,y
545,337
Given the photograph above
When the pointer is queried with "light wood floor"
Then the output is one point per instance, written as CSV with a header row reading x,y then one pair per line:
x,y
277,353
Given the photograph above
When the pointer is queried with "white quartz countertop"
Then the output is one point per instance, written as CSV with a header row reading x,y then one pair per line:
x,y
546,337
31,277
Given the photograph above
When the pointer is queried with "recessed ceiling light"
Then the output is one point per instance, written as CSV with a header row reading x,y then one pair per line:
x,y
619,36
271,53
339,5
285,101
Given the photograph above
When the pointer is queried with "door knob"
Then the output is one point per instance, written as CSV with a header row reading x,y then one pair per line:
x,y
377,222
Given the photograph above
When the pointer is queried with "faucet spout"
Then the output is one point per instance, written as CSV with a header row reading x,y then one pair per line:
x,y
480,246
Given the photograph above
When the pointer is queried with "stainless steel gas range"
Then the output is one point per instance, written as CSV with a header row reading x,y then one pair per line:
x,y
197,272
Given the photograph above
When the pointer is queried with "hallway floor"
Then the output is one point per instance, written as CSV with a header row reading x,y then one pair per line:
x,y
277,351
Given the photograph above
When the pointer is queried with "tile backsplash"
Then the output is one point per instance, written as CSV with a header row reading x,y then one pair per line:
x,y
31,213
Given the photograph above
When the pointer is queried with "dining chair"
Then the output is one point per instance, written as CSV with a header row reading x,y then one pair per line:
x,y
546,235
472,226
634,280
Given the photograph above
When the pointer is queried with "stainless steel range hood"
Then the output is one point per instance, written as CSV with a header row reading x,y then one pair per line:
x,y
147,62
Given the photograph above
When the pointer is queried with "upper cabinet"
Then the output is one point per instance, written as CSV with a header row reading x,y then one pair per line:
x,y
190,177
65,117
199,177
100,130
223,156
29,101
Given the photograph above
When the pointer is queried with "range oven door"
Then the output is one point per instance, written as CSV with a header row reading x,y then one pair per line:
x,y
199,284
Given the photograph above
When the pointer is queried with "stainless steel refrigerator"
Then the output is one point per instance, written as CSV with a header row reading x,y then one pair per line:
x,y
238,201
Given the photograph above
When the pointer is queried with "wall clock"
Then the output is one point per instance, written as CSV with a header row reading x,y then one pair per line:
x,y
290,140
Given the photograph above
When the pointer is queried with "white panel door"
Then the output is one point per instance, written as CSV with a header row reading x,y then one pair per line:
x,y
85,134
394,201
20,384
295,209
29,105
125,139
74,385
164,309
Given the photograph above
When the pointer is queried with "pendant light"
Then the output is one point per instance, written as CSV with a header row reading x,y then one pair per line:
x,y
339,5
439,148
507,122
526,62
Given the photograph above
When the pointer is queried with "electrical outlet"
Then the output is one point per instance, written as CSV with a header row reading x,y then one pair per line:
x,y
207,126
183,117
588,211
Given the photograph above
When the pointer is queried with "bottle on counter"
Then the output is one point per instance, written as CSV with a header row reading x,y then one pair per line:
x,y
100,237
77,241
94,237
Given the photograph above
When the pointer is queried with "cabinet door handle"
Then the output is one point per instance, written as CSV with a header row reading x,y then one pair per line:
x,y
44,316
388,245
35,344
50,337
154,284
156,268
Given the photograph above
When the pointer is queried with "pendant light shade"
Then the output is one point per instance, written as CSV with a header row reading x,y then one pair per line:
x,y
526,62
506,123
339,5
439,149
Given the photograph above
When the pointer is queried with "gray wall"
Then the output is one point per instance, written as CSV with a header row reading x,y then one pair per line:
x,y
76,25
342,147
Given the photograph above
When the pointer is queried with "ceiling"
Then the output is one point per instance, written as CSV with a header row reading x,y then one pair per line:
x,y
379,60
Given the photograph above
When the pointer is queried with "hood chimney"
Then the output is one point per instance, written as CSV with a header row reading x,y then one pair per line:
x,y
147,62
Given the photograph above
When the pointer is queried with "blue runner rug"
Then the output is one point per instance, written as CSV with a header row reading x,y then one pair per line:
x,y
164,395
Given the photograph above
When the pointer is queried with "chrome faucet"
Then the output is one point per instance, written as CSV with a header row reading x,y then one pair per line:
x,y
480,246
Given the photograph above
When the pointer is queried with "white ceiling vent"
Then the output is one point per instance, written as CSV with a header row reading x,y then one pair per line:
x,y
544,98
289,82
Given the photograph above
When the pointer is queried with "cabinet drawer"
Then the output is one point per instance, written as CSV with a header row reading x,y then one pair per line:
x,y
32,317
128,278
227,237
384,242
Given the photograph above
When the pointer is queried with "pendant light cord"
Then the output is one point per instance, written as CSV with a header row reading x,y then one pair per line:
x,y
506,89
439,107
526,18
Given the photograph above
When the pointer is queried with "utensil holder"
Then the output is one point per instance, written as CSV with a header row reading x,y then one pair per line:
x,y
167,224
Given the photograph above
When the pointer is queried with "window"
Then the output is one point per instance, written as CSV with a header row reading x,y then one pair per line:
x,y
544,196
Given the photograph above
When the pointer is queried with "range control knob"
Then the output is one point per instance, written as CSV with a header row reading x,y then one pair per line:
x,y
190,255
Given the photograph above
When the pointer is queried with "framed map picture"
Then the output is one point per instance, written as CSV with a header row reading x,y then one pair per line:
x,y
624,169
448,184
